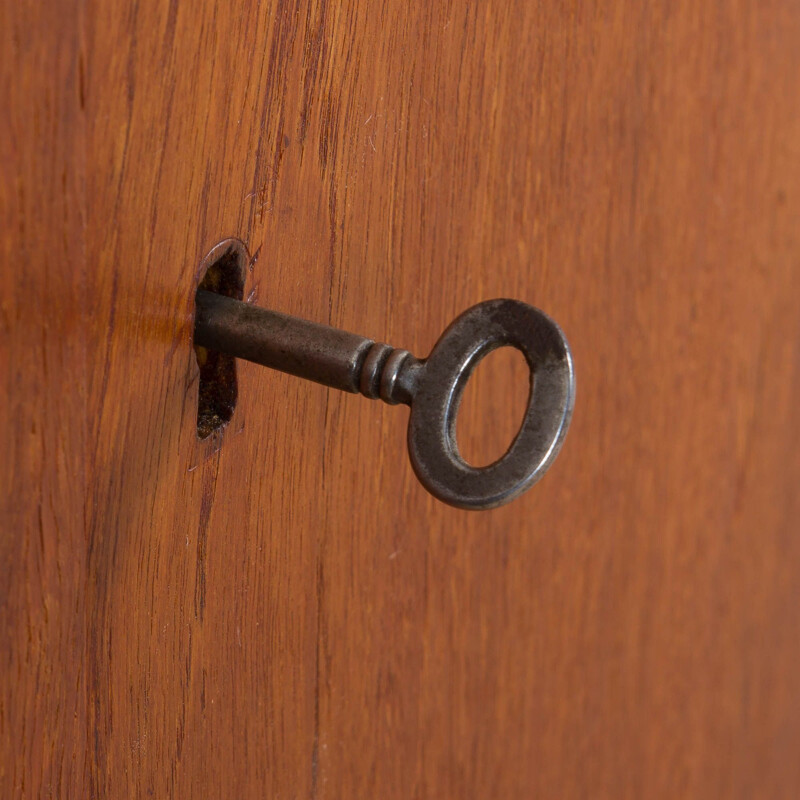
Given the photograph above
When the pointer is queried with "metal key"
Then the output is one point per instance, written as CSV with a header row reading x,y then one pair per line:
x,y
431,386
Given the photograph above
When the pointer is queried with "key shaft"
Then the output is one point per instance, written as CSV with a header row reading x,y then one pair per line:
x,y
306,349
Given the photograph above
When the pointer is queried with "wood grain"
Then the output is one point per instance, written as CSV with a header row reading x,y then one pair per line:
x,y
43,398
283,611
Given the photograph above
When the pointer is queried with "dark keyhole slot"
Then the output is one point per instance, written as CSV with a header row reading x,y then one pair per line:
x,y
218,390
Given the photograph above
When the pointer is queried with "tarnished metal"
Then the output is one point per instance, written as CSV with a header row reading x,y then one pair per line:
x,y
432,386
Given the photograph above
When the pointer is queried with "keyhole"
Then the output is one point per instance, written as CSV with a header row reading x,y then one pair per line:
x,y
218,390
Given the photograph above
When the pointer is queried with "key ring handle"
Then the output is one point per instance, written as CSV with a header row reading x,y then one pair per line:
x,y
440,385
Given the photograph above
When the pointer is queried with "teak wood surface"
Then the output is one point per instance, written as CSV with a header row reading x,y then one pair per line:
x,y
282,611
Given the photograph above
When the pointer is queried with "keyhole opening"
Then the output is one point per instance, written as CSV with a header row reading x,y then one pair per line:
x,y
218,388
493,406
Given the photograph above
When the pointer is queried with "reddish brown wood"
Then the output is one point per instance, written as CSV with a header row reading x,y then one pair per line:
x,y
43,397
284,612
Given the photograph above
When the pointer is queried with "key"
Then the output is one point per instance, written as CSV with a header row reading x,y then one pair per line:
x,y
432,387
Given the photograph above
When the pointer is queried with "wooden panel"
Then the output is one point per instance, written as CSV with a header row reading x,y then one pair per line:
x,y
284,612
43,546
